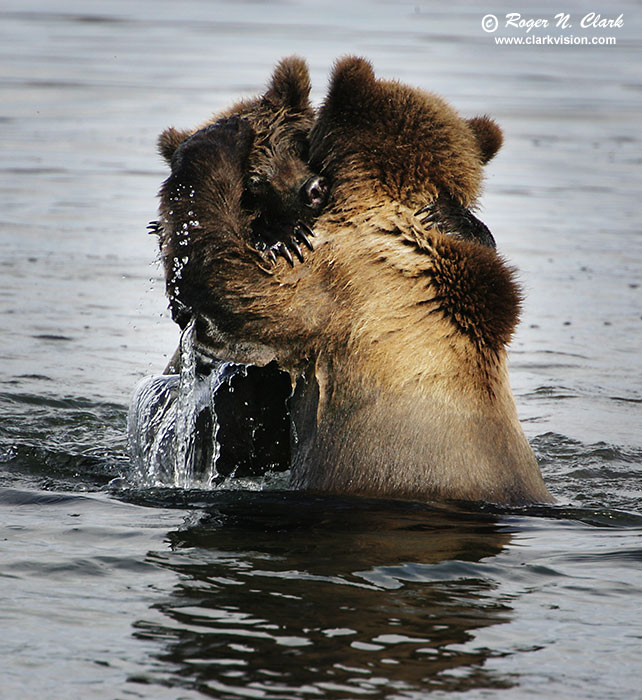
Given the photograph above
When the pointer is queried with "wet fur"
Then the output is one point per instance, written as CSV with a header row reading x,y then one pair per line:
x,y
395,332
276,168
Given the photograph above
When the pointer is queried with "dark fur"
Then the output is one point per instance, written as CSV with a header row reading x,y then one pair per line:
x,y
276,172
276,210
395,332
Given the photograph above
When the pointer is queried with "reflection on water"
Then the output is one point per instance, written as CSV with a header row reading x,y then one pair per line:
x,y
284,597
281,595
271,595
287,596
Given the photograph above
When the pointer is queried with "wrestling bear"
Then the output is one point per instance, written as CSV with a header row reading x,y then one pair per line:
x,y
279,192
394,331
280,196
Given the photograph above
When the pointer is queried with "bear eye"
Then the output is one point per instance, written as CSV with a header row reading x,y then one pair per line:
x,y
255,183
256,186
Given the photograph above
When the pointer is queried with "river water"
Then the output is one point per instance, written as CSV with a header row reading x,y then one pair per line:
x,y
111,590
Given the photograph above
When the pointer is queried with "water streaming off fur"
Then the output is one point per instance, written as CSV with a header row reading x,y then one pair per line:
x,y
163,424
120,587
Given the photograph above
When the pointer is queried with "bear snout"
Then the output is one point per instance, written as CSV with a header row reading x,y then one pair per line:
x,y
314,192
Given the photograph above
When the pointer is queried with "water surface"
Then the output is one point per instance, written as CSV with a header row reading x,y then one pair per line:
x,y
114,591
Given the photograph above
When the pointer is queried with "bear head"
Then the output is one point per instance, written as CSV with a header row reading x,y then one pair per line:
x,y
280,192
408,144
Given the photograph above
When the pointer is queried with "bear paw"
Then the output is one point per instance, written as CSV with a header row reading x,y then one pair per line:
x,y
453,219
290,243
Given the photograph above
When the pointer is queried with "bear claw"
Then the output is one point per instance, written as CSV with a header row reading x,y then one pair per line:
x,y
282,249
453,219
153,227
289,245
304,230
302,235
292,239
294,246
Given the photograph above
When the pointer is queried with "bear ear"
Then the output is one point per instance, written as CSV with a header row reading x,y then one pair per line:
x,y
169,141
489,136
352,79
290,85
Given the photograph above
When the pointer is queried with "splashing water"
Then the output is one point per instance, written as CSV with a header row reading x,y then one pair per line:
x,y
191,394
172,424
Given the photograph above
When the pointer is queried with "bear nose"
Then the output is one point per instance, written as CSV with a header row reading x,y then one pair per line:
x,y
314,192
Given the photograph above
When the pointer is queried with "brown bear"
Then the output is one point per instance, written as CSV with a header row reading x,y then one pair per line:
x,y
394,331
280,196
280,193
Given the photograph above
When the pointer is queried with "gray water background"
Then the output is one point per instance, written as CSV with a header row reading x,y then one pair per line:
x,y
109,592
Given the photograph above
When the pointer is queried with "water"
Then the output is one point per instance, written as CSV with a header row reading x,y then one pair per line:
x,y
114,589
165,436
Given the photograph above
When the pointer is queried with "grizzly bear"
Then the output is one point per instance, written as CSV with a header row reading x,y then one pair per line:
x,y
393,330
281,196
279,192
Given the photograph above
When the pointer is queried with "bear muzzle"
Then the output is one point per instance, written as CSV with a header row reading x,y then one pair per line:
x,y
314,192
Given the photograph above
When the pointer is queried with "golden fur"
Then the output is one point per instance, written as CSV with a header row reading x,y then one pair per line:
x,y
395,334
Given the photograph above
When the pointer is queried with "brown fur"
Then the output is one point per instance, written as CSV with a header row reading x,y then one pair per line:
x,y
376,130
396,334
275,171
284,104
489,136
